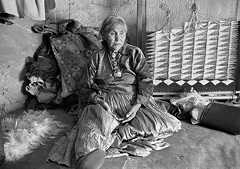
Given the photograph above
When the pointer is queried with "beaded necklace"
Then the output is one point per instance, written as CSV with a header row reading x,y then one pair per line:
x,y
114,59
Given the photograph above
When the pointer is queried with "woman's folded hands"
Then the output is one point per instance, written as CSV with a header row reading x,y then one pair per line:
x,y
129,116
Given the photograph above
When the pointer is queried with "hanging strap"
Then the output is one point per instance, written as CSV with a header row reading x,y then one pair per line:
x,y
165,7
193,18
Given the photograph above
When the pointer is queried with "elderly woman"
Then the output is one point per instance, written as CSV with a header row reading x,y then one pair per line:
x,y
120,104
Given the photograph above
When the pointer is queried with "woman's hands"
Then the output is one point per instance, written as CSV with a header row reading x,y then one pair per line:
x,y
129,116
132,113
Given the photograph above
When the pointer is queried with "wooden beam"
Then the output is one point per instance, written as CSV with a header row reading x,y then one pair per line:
x,y
139,22
238,9
144,26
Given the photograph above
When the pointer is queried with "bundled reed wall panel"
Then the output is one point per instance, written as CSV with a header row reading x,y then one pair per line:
x,y
175,54
211,51
233,46
223,51
199,52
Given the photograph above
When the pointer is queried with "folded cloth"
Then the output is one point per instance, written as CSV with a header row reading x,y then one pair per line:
x,y
6,18
114,152
178,112
91,34
135,149
45,97
221,116
5,21
45,28
55,28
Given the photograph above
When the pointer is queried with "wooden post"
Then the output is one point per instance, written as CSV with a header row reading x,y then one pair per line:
x,y
144,26
140,22
238,9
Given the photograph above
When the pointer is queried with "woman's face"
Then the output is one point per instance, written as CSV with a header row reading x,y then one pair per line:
x,y
116,37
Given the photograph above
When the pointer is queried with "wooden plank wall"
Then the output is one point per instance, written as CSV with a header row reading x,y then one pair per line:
x,y
144,15
238,10
93,12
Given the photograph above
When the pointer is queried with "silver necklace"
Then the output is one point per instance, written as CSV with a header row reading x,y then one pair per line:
x,y
113,58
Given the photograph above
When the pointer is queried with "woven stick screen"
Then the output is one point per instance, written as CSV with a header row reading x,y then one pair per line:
x,y
205,54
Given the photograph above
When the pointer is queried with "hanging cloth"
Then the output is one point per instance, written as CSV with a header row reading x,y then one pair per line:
x,y
35,9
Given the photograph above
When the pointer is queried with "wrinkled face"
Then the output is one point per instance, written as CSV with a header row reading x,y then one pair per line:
x,y
115,37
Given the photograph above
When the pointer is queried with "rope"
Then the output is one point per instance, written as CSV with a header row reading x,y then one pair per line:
x,y
165,7
196,13
193,18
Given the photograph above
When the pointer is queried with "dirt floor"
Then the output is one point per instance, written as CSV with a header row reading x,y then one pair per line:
x,y
194,147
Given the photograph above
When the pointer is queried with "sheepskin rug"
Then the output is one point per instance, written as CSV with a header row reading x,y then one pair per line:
x,y
26,132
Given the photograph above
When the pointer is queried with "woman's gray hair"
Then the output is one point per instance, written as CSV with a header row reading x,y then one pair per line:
x,y
109,22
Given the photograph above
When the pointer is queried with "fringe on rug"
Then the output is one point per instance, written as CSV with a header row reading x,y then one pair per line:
x,y
27,132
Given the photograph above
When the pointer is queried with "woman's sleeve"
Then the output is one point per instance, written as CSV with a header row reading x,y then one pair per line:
x,y
94,92
144,77
92,69
90,91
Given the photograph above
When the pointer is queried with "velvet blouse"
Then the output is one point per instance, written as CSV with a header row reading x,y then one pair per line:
x,y
135,79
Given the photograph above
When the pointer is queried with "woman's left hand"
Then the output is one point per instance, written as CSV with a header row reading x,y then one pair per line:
x,y
132,113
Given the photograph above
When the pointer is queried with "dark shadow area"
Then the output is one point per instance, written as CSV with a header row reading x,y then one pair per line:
x,y
237,73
